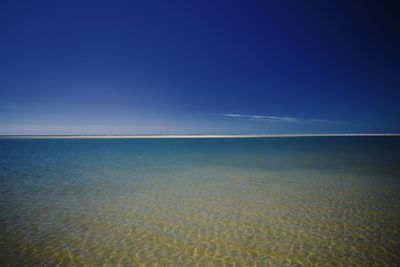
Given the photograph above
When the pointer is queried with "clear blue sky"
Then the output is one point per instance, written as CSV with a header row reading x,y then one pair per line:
x,y
135,67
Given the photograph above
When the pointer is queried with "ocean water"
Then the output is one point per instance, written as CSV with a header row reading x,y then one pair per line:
x,y
311,201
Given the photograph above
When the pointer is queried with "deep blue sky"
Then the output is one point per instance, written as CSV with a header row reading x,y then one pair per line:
x,y
120,67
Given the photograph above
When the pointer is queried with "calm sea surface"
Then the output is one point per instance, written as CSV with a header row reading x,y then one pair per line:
x,y
209,202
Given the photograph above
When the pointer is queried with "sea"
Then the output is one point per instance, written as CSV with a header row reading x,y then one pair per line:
x,y
289,201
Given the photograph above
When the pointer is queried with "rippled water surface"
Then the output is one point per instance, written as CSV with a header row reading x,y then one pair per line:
x,y
200,202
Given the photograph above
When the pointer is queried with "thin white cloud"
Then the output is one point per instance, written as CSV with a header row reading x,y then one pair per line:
x,y
267,118
258,117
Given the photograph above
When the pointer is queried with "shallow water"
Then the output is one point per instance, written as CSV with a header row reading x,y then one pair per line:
x,y
209,202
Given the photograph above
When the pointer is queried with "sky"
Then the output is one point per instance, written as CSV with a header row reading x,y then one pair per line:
x,y
206,67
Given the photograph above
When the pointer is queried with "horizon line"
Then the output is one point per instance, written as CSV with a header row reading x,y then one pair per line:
x,y
183,136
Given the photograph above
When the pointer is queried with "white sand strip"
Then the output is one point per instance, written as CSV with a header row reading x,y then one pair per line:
x,y
183,136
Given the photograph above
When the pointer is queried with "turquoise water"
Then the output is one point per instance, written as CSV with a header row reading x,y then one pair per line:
x,y
200,202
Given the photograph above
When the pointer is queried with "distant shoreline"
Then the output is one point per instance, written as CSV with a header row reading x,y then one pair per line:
x,y
181,136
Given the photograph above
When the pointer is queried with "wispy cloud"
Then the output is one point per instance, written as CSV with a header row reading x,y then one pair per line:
x,y
268,118
256,117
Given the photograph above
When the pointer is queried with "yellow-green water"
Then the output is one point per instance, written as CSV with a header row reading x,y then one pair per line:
x,y
218,202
